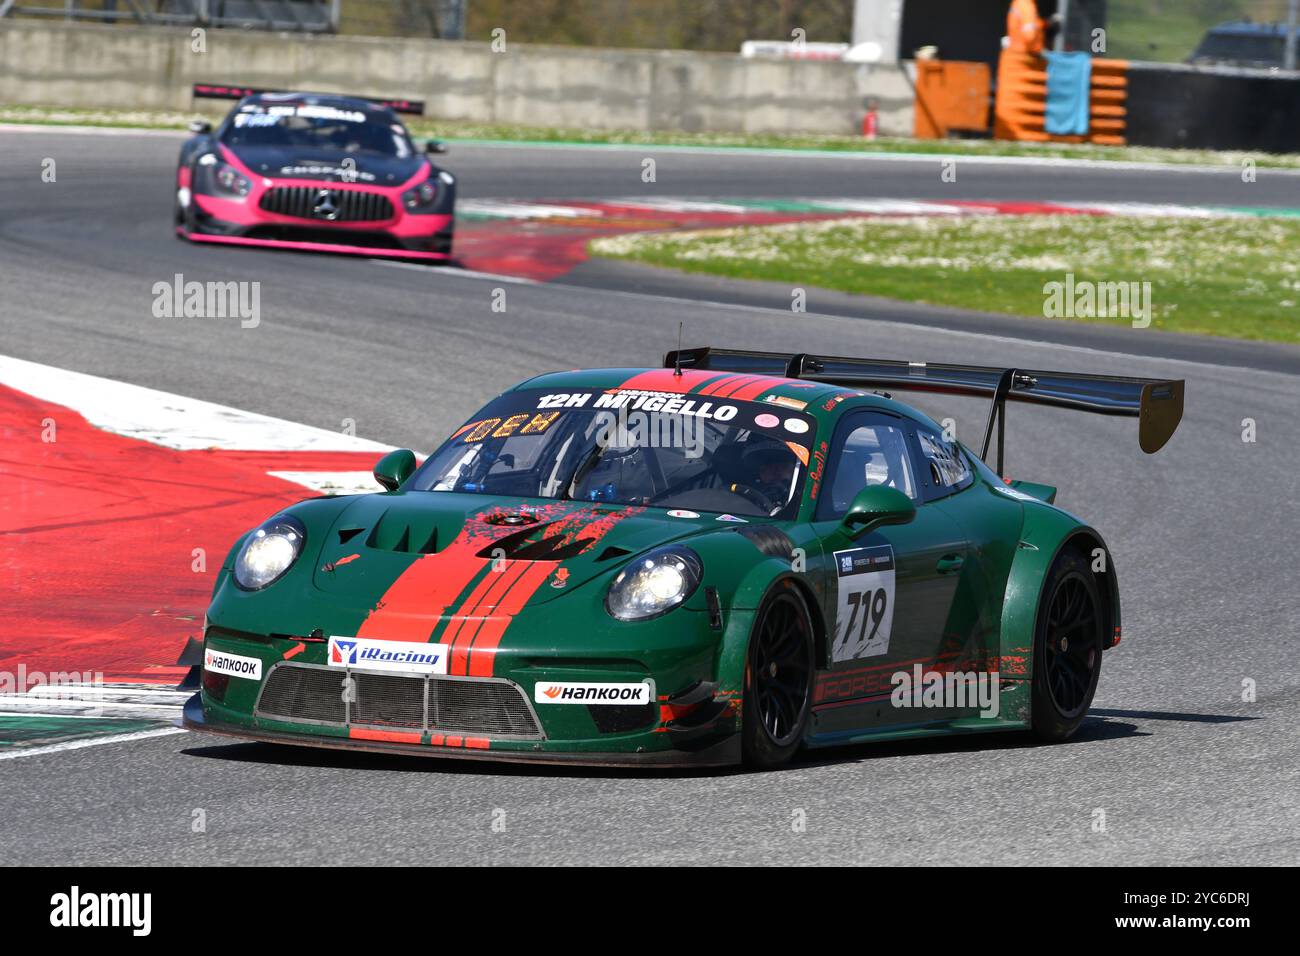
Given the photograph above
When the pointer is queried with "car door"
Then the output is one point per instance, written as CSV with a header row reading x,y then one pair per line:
x,y
947,485
990,522
889,592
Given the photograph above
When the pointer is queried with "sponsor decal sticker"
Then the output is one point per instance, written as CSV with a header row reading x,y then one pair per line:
x,y
568,692
1014,493
401,656
796,425
683,513
766,421
232,665
794,403
864,614
668,403
732,518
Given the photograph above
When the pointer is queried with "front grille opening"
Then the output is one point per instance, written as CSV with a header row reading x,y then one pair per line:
x,y
479,707
304,693
322,202
451,705
386,701
620,718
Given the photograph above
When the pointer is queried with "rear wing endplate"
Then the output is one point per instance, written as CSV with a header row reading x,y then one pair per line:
x,y
1157,404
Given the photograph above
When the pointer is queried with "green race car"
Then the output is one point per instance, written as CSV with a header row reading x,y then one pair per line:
x,y
722,560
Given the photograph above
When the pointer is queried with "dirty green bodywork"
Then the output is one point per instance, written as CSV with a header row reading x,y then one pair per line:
x,y
693,656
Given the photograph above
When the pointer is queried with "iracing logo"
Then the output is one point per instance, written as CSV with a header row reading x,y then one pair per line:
x,y
343,651
406,657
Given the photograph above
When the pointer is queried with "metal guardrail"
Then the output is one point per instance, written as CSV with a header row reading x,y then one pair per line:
x,y
300,16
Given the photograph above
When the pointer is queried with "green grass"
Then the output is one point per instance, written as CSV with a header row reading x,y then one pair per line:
x,y
482,132
1168,30
1237,277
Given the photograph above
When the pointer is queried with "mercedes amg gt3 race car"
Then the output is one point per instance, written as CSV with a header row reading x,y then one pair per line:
x,y
317,172
724,559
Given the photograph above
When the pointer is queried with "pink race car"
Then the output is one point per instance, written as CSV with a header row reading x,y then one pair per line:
x,y
314,171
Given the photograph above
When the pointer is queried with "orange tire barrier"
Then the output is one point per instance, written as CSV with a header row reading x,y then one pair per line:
x,y
1022,101
951,95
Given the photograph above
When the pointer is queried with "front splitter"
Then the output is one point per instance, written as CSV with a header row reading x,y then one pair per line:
x,y
725,753
342,248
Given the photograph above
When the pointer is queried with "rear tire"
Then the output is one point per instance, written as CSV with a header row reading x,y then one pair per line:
x,y
779,670
1067,647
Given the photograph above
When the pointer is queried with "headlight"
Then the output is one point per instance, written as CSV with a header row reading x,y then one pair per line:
x,y
421,198
654,584
229,179
269,552
225,179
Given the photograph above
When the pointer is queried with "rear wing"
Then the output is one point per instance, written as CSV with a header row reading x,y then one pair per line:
x,y
1157,404
217,91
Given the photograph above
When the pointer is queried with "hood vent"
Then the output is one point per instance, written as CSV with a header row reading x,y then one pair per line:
x,y
347,534
394,534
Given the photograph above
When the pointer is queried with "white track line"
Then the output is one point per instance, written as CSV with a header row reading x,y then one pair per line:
x,y
172,421
1228,169
455,272
1231,168
90,742
91,130
933,329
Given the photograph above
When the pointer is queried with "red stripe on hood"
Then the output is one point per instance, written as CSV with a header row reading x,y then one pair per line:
x,y
492,590
485,644
411,606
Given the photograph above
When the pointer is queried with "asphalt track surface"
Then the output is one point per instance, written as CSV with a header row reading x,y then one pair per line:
x,y
1203,535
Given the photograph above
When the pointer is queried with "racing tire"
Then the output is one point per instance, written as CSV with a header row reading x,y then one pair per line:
x,y
779,668
1067,648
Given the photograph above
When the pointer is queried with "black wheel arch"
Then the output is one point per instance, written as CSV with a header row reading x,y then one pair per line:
x,y
1087,540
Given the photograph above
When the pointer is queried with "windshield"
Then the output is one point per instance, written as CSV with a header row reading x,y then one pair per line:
x,y
1246,49
658,449
306,126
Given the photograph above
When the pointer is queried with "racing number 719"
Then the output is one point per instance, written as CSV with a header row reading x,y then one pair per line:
x,y
872,604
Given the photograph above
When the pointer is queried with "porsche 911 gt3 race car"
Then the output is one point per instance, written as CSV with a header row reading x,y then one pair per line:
x,y
314,171
724,559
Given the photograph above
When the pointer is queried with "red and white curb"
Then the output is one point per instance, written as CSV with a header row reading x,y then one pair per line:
x,y
120,503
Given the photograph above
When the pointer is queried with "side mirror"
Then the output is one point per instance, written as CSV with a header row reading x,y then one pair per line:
x,y
200,126
435,146
394,468
877,505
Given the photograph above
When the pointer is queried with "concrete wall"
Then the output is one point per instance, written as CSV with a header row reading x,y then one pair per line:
x,y
84,65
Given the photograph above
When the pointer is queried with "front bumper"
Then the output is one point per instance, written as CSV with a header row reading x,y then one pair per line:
x,y
721,752
401,234
689,715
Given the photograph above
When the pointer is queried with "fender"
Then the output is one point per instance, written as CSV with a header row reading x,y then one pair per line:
x,y
1045,532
